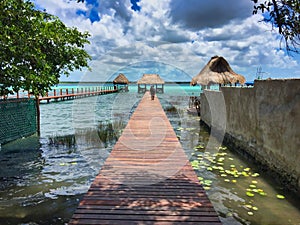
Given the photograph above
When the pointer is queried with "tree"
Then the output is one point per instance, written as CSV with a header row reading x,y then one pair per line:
x,y
36,48
285,15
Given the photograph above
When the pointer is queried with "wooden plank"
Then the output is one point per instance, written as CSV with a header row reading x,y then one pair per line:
x,y
147,179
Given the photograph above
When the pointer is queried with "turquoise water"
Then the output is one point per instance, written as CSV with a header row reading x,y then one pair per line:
x,y
44,178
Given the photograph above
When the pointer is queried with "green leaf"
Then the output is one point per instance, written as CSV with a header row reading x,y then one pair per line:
x,y
280,196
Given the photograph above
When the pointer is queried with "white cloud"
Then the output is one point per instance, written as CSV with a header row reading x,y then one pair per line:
x,y
182,34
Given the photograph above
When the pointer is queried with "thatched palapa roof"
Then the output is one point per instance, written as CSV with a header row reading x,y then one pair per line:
x,y
217,71
121,79
151,79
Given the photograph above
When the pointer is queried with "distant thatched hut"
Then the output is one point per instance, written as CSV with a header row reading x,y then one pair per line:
x,y
217,71
122,82
151,79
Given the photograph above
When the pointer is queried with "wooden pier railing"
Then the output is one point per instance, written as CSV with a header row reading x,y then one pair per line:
x,y
71,93
67,93
147,179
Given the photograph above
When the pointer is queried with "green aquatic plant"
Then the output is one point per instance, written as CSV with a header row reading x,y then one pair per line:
x,y
170,109
66,140
280,196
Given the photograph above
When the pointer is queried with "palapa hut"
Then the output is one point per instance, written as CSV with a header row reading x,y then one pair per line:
x,y
122,82
217,71
151,79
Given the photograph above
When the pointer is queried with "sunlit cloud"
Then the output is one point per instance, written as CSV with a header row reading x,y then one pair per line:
x,y
182,34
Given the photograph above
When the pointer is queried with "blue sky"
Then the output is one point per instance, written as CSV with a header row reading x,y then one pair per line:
x,y
174,38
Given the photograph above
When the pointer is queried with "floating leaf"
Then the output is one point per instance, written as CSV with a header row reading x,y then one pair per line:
x,y
199,147
226,180
247,169
254,182
250,213
280,196
249,206
255,175
207,182
209,168
250,194
221,159
252,186
254,208
245,174
233,181
228,171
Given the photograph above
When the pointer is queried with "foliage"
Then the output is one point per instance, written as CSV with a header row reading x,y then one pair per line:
x,y
36,48
284,14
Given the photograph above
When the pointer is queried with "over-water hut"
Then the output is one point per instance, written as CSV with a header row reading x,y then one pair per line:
x,y
122,82
151,79
217,71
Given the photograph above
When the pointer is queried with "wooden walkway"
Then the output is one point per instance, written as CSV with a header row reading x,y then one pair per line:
x,y
147,179
68,94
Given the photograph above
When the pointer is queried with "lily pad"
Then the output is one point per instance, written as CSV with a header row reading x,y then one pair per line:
x,y
245,174
250,213
248,206
250,194
280,196
263,193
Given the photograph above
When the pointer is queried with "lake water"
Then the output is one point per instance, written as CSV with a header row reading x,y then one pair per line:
x,y
43,178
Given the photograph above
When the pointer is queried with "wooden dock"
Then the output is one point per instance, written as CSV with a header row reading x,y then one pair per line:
x,y
147,179
63,94
71,93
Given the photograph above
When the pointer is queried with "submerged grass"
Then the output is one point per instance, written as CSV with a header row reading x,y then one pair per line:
x,y
106,133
